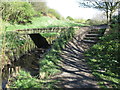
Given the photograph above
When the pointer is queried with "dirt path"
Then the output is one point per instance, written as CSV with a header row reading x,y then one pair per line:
x,y
75,72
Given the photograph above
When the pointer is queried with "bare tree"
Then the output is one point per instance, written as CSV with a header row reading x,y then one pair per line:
x,y
108,6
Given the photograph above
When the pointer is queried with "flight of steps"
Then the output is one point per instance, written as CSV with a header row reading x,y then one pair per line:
x,y
93,36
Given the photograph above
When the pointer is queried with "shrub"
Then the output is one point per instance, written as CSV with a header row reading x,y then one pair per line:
x,y
54,13
17,12
95,22
70,18
79,20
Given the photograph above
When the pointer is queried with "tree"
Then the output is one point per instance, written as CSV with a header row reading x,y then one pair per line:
x,y
108,6
17,12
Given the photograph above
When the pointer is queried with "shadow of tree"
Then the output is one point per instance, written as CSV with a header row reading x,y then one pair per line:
x,y
75,72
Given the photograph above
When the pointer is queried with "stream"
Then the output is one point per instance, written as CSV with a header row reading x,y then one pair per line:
x,y
28,62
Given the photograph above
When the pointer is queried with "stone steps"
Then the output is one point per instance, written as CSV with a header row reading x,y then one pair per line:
x,y
91,38
93,35
93,32
89,41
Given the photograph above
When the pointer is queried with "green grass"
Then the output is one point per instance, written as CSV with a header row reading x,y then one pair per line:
x,y
24,80
49,34
103,58
43,22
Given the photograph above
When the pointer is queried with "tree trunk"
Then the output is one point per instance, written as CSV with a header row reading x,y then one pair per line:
x,y
110,16
107,16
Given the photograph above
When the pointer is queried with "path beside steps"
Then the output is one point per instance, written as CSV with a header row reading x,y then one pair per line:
x,y
75,71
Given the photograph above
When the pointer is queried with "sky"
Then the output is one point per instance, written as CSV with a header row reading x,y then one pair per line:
x,y
71,8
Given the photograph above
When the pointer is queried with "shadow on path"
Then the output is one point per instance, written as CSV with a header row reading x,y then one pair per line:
x,y
75,71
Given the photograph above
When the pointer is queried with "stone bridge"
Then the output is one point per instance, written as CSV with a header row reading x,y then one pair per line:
x,y
19,42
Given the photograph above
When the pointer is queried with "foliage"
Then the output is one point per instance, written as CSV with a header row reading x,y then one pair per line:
x,y
17,12
54,13
115,19
104,59
13,40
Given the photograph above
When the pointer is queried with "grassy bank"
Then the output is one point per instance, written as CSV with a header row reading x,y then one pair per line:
x,y
43,22
103,58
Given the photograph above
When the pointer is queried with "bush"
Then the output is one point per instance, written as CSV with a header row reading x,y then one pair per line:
x,y
79,20
70,18
95,22
54,13
17,12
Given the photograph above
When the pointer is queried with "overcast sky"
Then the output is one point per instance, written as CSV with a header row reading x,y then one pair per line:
x,y
71,8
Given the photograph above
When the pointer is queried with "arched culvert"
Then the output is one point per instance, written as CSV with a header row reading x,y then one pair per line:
x,y
39,40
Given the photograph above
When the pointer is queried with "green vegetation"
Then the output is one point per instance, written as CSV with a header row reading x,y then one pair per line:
x,y
48,64
17,12
103,58
48,67
24,80
43,22
79,20
95,22
52,12
49,34
13,40
70,18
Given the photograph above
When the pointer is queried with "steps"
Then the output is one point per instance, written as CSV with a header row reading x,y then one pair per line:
x,y
93,32
92,36
89,41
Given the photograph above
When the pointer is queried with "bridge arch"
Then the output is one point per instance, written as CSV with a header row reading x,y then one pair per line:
x,y
39,40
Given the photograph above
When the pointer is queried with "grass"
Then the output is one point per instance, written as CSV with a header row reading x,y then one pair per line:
x,y
24,80
103,58
49,34
42,22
